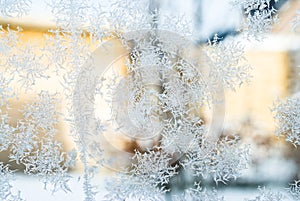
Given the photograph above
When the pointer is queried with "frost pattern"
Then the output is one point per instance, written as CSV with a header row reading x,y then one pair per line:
x,y
260,17
294,189
287,117
6,92
29,64
222,161
266,194
9,40
149,174
130,188
48,161
227,63
6,189
199,194
21,61
296,21
69,14
14,8
175,103
32,143
153,167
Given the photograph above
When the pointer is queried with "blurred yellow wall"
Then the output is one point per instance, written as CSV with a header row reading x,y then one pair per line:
x,y
269,82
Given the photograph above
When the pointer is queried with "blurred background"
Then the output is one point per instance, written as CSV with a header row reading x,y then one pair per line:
x,y
275,74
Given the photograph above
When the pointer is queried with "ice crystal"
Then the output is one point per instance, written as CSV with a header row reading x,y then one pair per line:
x,y
153,167
147,178
69,14
266,194
6,92
294,189
42,113
162,89
198,194
51,164
6,132
131,188
6,189
9,40
129,15
287,117
32,143
261,21
222,161
14,8
45,156
227,63
296,21
29,65
25,58
260,17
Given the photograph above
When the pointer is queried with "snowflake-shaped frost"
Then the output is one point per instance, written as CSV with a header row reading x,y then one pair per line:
x,y
287,117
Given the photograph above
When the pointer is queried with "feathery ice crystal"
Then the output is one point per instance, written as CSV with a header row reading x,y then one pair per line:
x,y
287,117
